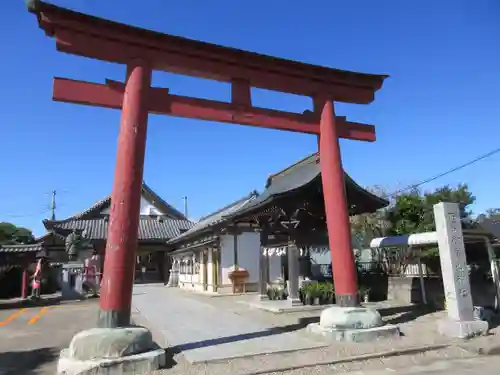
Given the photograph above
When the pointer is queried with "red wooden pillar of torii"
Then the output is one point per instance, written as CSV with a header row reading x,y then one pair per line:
x,y
121,245
93,37
337,210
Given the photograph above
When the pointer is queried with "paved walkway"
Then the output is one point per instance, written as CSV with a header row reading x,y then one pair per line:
x,y
31,338
205,333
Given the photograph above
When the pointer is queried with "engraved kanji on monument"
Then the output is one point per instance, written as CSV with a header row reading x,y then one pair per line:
x,y
453,262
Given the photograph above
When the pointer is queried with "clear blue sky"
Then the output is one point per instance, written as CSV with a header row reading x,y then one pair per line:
x,y
439,108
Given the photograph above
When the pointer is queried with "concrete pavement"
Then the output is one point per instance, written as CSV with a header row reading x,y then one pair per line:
x,y
204,333
31,338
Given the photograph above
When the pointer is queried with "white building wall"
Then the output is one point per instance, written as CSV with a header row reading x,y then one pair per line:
x,y
226,257
274,268
248,255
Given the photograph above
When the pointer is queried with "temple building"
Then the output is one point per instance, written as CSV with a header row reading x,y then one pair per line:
x,y
257,232
159,222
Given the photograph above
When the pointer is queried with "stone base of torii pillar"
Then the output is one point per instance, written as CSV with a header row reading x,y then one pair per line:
x,y
111,351
354,324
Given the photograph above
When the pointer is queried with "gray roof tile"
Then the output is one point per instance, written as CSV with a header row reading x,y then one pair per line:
x,y
22,248
146,191
215,218
301,174
150,229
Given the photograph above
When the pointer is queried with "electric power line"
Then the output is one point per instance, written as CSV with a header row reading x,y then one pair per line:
x,y
473,161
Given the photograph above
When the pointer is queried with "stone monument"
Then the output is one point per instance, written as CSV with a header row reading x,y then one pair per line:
x,y
460,322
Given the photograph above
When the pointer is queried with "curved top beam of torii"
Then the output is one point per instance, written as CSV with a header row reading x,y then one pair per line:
x,y
98,38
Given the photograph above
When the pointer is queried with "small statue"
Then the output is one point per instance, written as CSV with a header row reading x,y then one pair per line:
x,y
74,244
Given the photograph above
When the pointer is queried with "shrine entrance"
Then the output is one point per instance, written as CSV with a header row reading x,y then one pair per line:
x,y
143,51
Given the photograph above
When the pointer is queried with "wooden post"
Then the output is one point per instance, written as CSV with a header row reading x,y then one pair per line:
x,y
121,247
337,215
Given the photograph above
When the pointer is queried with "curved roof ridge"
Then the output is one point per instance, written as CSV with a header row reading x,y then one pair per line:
x,y
289,168
243,199
216,217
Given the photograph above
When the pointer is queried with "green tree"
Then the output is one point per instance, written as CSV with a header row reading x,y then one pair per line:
x,y
413,211
409,212
11,234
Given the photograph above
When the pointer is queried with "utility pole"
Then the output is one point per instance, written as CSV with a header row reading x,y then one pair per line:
x,y
53,206
185,198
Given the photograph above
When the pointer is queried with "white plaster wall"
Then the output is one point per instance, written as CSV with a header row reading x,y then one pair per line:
x,y
248,255
226,257
146,209
274,268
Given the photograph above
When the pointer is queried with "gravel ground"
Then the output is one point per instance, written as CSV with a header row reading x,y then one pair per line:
x,y
418,328
270,363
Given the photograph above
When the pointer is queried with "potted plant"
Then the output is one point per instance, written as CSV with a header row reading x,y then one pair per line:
x,y
308,294
329,294
316,293
323,293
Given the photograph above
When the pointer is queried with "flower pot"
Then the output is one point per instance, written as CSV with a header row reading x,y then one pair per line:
x,y
366,298
308,300
316,301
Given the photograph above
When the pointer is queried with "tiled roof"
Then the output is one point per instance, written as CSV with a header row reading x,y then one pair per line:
x,y
28,248
149,228
147,192
490,226
215,218
303,173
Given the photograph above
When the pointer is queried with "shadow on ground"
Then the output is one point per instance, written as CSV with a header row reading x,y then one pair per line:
x,y
26,362
393,315
302,323
405,314
170,361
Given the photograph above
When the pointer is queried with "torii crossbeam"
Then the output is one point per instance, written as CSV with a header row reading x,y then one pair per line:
x,y
143,51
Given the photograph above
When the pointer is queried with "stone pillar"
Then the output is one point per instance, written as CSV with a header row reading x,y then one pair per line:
x,y
293,274
336,208
121,246
263,265
460,322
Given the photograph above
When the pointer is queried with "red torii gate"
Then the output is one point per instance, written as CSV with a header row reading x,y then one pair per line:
x,y
143,51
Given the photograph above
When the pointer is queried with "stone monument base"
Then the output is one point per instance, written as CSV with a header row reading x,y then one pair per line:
x,y
356,324
111,351
462,329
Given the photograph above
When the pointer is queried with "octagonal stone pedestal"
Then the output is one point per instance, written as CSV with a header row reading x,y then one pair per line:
x,y
356,324
111,351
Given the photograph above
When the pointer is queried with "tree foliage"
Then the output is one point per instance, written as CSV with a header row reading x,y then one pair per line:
x,y
409,212
11,234
413,212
